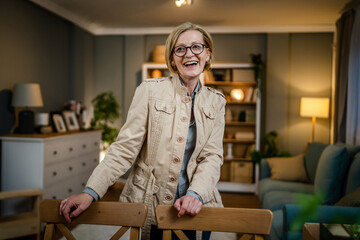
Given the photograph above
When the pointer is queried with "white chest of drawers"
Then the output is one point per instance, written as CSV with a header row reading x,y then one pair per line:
x,y
59,164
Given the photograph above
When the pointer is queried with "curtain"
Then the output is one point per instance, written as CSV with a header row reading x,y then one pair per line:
x,y
343,105
353,98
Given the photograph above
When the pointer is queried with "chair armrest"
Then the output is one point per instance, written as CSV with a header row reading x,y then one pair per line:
x,y
324,214
264,169
20,193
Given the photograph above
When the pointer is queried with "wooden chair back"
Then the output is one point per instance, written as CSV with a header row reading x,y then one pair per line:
x,y
127,215
249,223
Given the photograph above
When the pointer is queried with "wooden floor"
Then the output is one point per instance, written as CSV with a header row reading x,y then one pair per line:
x,y
240,200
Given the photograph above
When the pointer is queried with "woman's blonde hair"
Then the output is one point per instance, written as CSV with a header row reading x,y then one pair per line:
x,y
172,38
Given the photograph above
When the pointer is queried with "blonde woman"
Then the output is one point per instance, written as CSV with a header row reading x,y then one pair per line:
x,y
172,136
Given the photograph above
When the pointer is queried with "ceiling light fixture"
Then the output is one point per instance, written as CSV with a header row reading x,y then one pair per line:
x,y
180,3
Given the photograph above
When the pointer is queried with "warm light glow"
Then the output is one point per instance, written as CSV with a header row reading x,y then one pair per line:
x,y
237,95
180,3
314,107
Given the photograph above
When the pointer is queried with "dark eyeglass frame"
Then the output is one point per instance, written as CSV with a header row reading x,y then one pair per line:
x,y
186,48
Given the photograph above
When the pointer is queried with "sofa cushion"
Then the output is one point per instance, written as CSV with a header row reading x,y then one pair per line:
x,y
330,173
276,200
350,200
277,230
312,157
267,185
353,178
287,168
352,150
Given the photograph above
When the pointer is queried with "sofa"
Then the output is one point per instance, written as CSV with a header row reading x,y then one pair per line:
x,y
330,171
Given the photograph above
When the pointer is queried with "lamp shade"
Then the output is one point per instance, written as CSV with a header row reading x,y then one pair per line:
x,y
314,107
27,95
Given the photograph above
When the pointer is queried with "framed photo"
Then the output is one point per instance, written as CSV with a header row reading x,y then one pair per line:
x,y
71,120
59,123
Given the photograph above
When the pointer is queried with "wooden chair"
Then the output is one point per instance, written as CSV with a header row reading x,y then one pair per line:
x,y
21,224
250,223
127,215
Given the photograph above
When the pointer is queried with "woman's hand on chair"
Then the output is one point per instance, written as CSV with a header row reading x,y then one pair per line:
x,y
74,205
187,205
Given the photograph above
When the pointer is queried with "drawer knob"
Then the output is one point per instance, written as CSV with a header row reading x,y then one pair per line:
x,y
55,153
84,145
70,190
53,197
83,184
54,173
84,164
95,159
71,149
70,168
96,143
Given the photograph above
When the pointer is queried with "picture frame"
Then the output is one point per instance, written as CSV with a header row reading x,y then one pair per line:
x,y
58,123
71,120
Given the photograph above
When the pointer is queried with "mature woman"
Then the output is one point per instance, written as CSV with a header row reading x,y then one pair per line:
x,y
173,137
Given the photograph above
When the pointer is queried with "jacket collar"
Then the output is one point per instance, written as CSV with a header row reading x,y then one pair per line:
x,y
182,89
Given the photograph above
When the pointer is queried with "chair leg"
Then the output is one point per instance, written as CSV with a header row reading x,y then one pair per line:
x,y
166,234
134,233
49,231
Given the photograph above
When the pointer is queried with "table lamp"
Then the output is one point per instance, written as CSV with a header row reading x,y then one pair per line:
x,y
27,95
314,107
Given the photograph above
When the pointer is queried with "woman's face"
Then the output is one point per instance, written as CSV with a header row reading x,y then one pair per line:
x,y
190,66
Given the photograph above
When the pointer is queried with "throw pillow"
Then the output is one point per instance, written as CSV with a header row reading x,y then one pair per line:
x,y
353,177
287,168
350,200
312,157
330,173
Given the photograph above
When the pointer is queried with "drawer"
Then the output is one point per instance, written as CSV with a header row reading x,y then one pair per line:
x,y
241,172
63,189
57,150
88,144
88,162
60,171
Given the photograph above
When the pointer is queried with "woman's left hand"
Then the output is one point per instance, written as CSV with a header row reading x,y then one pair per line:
x,y
188,205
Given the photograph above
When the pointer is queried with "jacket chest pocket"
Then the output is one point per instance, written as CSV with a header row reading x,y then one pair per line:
x,y
164,108
209,115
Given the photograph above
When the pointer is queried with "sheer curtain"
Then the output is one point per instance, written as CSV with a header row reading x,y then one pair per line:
x,y
353,98
347,95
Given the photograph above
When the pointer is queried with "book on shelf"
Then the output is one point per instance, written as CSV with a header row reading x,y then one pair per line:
x,y
248,94
245,135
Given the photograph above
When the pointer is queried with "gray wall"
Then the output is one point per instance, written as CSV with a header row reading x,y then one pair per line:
x,y
35,48
299,65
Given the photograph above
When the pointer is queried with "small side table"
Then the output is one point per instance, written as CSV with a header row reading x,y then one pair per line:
x,y
311,231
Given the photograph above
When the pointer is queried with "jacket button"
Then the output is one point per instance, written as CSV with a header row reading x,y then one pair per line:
x,y
186,99
176,160
168,197
180,139
172,179
183,119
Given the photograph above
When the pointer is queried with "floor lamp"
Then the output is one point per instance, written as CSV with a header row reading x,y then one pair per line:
x,y
314,108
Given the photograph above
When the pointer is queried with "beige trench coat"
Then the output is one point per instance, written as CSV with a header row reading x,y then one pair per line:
x,y
153,139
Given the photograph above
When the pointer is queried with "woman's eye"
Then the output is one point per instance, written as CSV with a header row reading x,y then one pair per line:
x,y
196,46
180,49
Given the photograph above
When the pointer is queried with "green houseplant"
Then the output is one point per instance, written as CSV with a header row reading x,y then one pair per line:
x,y
106,111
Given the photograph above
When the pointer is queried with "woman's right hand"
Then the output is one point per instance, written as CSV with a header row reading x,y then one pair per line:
x,y
74,205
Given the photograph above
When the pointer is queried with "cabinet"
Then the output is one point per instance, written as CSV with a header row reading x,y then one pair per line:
x,y
59,164
242,121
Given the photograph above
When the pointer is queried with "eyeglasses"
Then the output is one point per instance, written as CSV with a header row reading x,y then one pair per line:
x,y
196,49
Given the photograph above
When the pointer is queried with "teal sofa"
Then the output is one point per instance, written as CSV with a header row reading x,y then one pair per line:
x,y
333,170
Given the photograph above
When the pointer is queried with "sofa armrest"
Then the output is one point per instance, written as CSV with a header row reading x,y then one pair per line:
x,y
324,214
264,169
20,193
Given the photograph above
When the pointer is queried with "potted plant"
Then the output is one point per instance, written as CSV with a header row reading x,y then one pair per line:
x,y
106,111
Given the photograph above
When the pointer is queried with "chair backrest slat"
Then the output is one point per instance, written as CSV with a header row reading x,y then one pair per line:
x,y
239,220
103,213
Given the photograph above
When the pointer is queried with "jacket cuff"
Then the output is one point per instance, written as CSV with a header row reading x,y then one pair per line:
x,y
195,195
92,193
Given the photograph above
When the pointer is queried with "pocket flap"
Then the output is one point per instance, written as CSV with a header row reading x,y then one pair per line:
x,y
209,112
164,107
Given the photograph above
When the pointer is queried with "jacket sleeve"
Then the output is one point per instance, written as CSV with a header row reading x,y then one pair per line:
x,y
126,148
207,172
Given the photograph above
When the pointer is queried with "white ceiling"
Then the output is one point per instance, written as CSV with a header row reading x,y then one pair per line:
x,y
102,17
